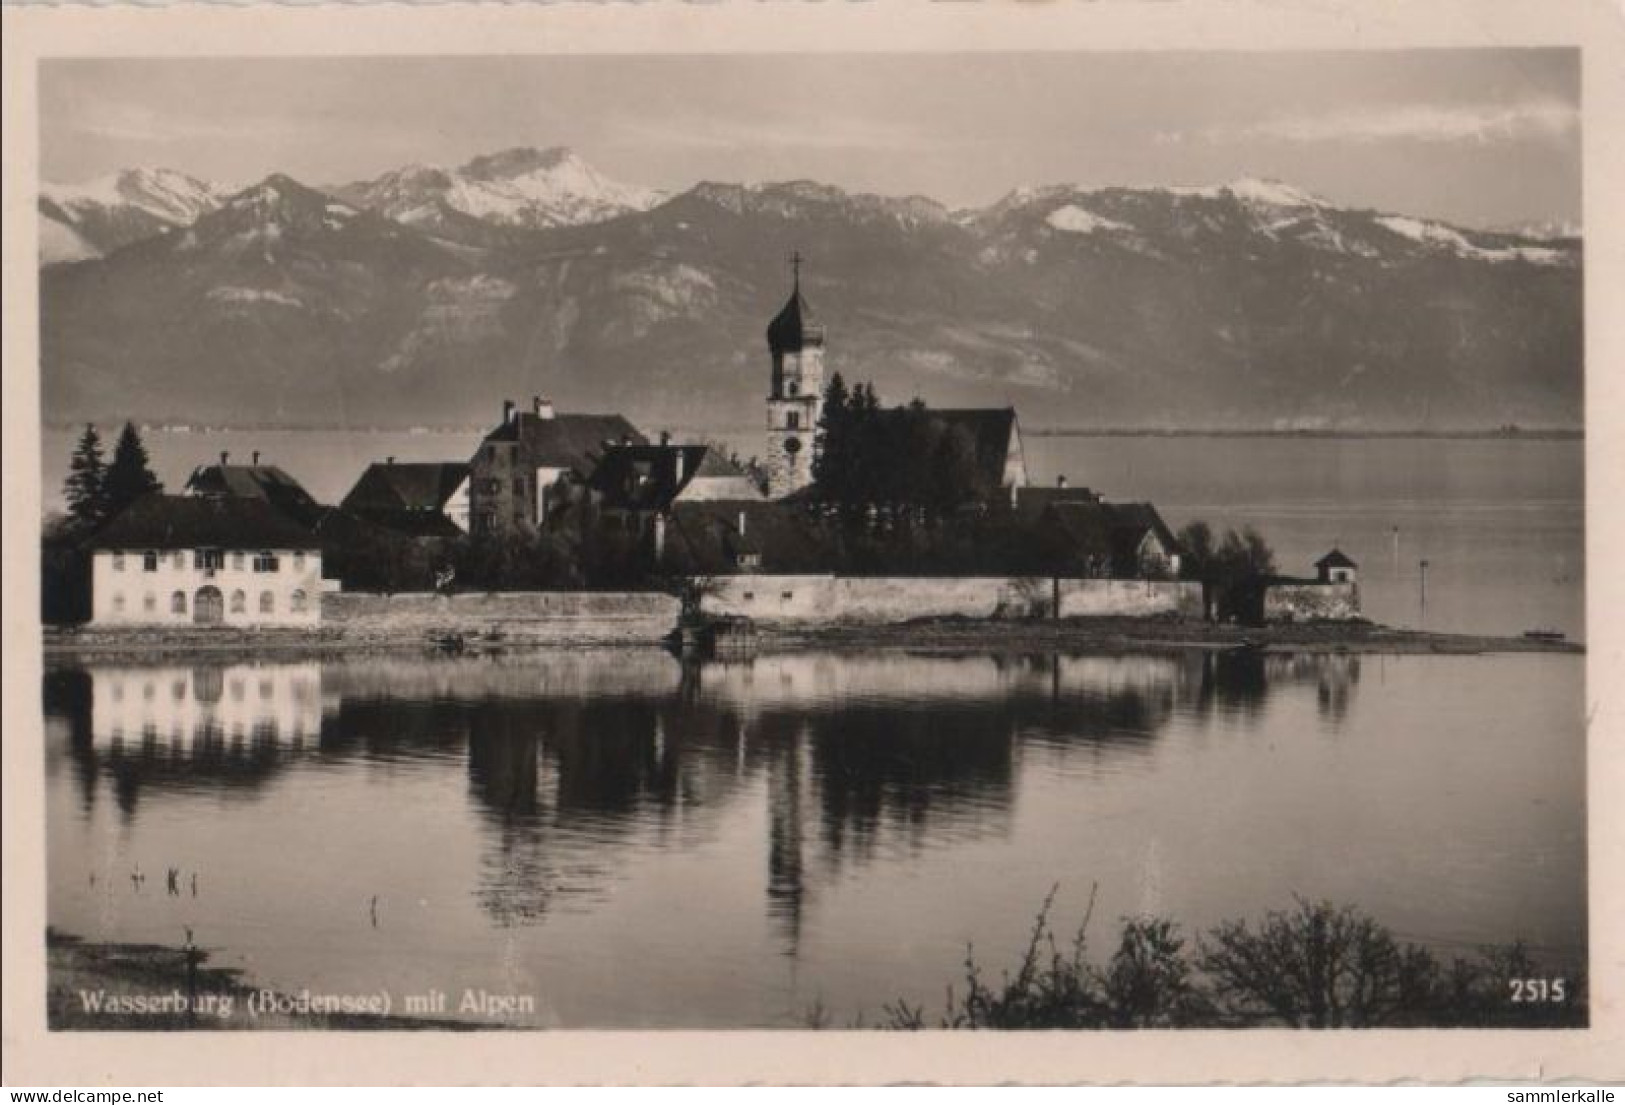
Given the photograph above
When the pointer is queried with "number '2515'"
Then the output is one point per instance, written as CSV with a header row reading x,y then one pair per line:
x,y
1538,989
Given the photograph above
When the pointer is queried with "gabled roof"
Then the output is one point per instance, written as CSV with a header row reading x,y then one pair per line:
x,y
195,521
573,441
705,537
406,487
264,482
646,477
1113,529
1337,558
1031,502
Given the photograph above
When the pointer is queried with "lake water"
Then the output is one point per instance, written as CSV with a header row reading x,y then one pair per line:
x,y
1501,521
636,842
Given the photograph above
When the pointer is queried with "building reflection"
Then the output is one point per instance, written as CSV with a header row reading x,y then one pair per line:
x,y
576,762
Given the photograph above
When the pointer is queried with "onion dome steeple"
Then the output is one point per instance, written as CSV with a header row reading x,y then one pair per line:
x,y
794,327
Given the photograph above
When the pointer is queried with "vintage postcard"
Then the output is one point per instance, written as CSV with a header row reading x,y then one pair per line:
x,y
829,528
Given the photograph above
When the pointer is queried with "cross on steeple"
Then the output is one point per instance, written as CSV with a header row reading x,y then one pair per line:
x,y
795,267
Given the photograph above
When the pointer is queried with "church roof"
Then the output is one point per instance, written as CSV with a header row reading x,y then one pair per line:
x,y
794,327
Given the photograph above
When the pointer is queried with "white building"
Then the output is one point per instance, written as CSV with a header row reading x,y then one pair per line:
x,y
173,560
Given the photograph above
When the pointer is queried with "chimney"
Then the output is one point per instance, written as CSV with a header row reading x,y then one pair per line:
x,y
507,411
389,460
680,458
1060,481
256,456
541,406
665,438
225,458
660,537
741,523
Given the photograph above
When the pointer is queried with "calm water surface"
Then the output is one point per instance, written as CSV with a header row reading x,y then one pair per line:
x,y
640,843
1501,522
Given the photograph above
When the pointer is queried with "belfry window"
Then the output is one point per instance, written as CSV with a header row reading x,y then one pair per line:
x,y
792,419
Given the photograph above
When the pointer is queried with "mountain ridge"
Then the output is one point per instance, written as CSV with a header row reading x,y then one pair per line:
x,y
1250,303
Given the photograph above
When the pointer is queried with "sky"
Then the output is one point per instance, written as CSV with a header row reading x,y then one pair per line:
x,y
1478,137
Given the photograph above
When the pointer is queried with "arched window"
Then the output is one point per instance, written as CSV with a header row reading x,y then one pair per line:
x,y
267,602
149,603
296,602
177,602
239,603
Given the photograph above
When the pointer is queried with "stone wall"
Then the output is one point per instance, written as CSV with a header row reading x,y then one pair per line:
x,y
1311,602
600,616
881,599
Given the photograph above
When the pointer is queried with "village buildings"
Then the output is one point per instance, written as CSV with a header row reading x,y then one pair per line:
x,y
413,499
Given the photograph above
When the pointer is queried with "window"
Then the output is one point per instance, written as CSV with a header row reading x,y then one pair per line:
x,y
299,561
236,561
266,562
118,604
749,595
239,603
177,602
795,389
149,603
149,561
208,559
118,562
296,602
793,420
267,603
786,596
179,558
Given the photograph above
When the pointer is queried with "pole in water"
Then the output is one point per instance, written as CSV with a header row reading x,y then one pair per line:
x,y
1424,589
1396,551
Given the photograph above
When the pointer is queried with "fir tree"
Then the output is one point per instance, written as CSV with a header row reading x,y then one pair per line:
x,y
130,476
832,458
86,485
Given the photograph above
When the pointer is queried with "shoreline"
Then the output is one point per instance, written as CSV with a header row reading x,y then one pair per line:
x,y
123,972
1105,635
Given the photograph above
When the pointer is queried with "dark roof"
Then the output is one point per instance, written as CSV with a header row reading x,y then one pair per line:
x,y
794,327
264,482
195,521
645,477
574,441
1337,558
406,487
705,538
1031,502
1113,529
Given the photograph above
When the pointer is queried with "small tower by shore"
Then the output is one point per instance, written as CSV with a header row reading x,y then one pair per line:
x,y
796,397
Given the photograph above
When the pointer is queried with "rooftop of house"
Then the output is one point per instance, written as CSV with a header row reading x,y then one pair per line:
x,y
572,441
161,521
651,477
1115,529
709,537
1031,502
264,482
1337,558
416,486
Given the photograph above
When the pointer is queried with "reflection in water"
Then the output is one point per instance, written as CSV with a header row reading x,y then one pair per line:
x,y
569,758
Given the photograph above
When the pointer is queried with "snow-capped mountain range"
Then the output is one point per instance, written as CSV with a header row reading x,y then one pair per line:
x,y
417,296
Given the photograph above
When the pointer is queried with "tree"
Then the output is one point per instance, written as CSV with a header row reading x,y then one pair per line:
x,y
130,476
86,485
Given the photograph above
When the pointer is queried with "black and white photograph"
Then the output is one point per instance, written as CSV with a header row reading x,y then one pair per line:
x,y
845,541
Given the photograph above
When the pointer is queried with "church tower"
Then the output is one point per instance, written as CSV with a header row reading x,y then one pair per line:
x,y
796,400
